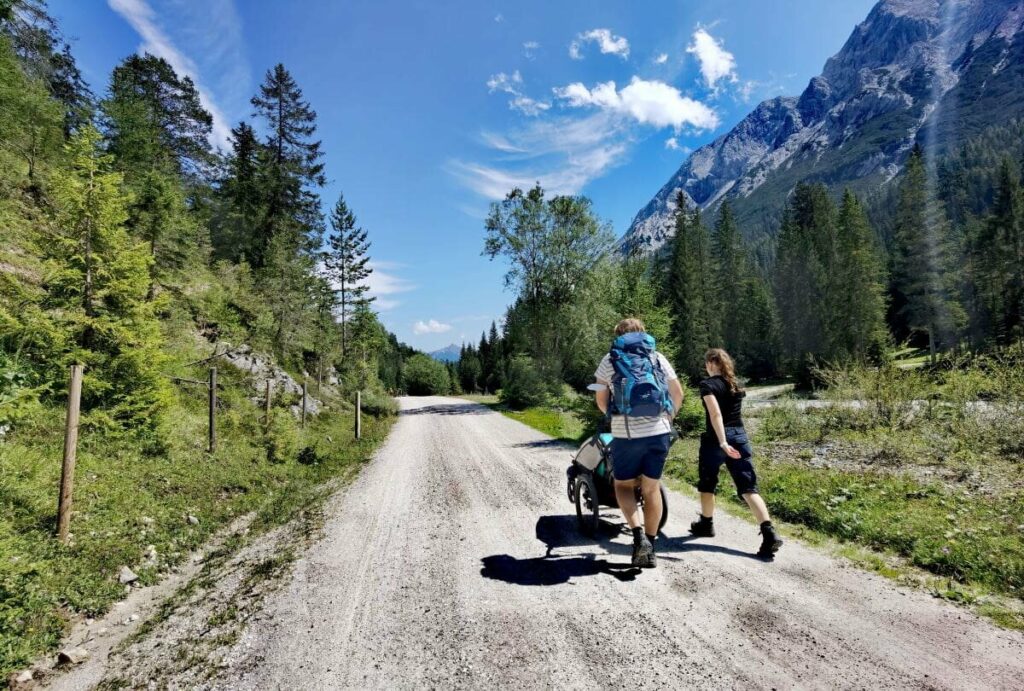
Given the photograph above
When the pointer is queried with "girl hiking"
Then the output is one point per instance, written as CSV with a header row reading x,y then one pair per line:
x,y
725,441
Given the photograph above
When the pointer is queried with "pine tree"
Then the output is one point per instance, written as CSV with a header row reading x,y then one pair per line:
x,y
98,281
292,168
1000,255
731,269
921,262
241,198
347,264
857,300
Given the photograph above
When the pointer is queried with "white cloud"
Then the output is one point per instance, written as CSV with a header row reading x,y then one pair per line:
x,y
141,17
530,49
672,143
431,326
499,18
608,43
716,63
661,59
510,84
648,102
562,154
384,285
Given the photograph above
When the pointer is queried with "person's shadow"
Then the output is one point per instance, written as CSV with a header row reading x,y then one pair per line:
x,y
563,531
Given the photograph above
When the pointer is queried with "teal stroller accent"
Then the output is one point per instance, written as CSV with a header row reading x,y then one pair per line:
x,y
591,483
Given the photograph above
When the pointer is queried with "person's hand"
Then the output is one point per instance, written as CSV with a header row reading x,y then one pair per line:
x,y
729,451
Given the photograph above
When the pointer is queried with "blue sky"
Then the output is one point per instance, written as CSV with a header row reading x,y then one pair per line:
x,y
430,110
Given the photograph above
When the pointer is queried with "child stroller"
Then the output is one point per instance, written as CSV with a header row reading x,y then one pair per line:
x,y
591,483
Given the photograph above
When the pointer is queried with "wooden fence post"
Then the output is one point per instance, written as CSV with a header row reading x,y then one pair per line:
x,y
266,405
213,409
303,402
359,414
67,471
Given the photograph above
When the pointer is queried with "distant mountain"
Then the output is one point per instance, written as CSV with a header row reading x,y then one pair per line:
x,y
930,71
448,353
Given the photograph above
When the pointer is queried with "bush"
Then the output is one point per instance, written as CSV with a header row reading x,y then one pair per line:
x,y
524,385
425,376
378,404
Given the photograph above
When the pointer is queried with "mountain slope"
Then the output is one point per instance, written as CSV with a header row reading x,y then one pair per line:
x,y
450,353
928,71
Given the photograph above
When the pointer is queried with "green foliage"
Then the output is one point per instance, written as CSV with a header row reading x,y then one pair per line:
x,y
425,376
379,404
524,386
346,264
281,437
97,281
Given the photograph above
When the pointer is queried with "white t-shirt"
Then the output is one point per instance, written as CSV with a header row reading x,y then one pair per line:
x,y
639,427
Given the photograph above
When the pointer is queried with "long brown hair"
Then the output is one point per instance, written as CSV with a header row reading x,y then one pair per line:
x,y
726,367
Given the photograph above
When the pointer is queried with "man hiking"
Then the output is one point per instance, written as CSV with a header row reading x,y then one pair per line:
x,y
638,388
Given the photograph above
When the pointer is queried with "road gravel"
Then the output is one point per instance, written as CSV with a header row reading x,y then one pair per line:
x,y
454,561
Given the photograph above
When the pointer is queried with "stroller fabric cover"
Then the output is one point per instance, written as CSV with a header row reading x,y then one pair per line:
x,y
590,453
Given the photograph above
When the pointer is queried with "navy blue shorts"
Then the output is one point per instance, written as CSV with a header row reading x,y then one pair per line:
x,y
712,457
645,456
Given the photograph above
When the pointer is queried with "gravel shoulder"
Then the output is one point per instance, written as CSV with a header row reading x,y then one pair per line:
x,y
454,561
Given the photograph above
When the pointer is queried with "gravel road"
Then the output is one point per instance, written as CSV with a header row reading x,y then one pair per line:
x,y
454,561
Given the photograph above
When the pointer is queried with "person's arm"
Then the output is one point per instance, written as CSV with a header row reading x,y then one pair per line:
x,y
675,390
602,396
715,413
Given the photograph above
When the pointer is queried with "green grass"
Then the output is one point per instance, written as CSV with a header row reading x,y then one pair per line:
x,y
131,493
560,424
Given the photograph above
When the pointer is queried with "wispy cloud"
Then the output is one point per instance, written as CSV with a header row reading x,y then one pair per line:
x,y
530,49
512,84
216,33
562,153
385,284
431,326
608,43
672,144
647,102
716,63
661,59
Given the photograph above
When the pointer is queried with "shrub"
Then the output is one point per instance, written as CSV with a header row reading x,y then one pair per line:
x,y
524,385
379,404
425,376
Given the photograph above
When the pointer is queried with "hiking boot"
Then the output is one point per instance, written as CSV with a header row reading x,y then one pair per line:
x,y
643,551
652,560
703,527
770,542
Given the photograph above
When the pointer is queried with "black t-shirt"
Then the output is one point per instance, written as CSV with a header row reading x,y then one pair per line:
x,y
730,403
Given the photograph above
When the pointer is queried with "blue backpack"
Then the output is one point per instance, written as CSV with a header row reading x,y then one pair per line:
x,y
639,385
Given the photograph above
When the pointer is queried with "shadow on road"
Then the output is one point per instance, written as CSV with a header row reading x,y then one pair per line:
x,y
552,570
543,444
448,409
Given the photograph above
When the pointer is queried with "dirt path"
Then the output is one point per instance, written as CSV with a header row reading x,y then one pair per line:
x,y
454,561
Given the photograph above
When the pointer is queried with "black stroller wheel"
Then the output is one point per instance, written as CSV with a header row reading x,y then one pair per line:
x,y
587,506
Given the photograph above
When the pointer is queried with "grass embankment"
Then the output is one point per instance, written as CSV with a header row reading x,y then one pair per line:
x,y
130,494
905,463
558,422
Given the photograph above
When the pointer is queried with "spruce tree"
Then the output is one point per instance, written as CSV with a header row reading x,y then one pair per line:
x,y
347,264
97,283
241,198
921,261
731,269
857,301
292,168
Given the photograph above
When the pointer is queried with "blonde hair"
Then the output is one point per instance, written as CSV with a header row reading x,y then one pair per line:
x,y
630,325
726,367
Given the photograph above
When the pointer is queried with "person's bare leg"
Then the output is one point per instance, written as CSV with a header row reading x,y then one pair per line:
x,y
625,492
707,504
651,490
756,504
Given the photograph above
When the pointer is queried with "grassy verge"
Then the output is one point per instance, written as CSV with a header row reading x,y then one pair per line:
x,y
561,424
890,501
131,495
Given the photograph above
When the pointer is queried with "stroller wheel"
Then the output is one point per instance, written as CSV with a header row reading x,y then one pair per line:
x,y
587,506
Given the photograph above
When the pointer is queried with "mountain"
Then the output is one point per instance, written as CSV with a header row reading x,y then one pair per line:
x,y
934,72
448,353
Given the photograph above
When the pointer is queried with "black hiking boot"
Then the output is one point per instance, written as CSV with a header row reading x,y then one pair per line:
x,y
652,560
643,553
770,542
703,527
